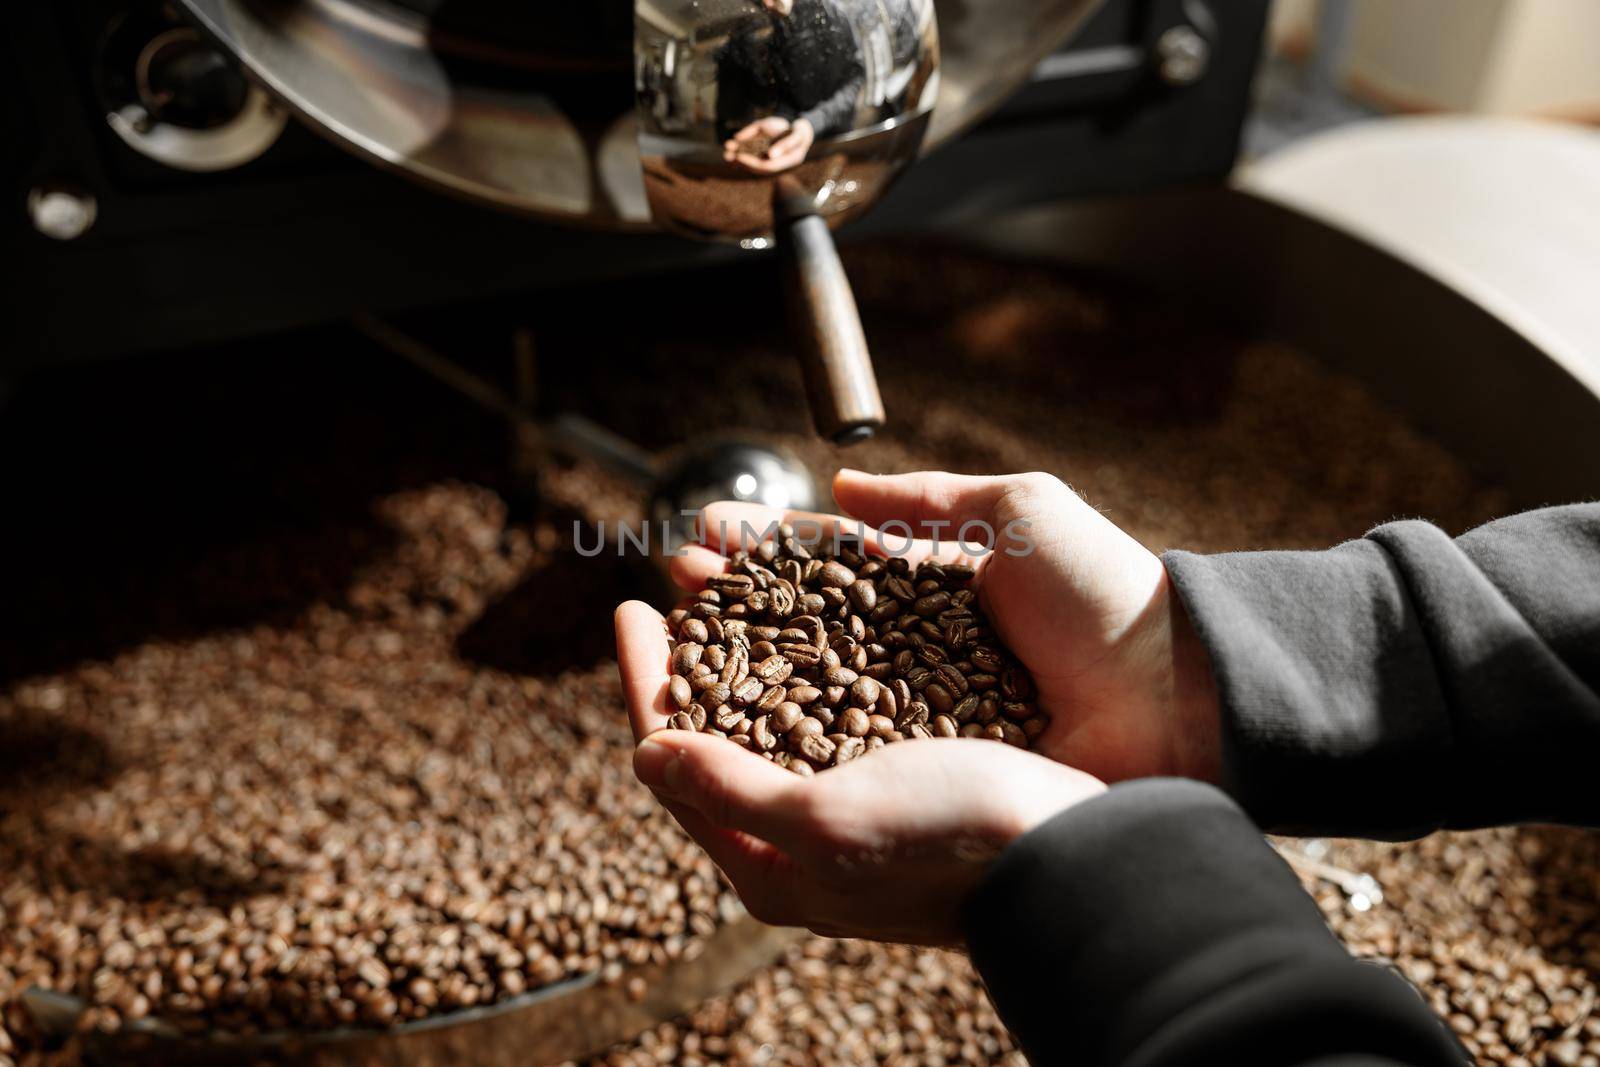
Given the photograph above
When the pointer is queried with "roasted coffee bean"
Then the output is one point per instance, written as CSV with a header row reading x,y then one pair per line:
x,y
987,660
953,680
835,575
809,644
955,635
681,721
804,694
761,733
802,656
915,711
810,726
786,715
1015,684
818,749
841,676
774,669
731,586
771,698
863,596
736,666
900,589
864,692
944,726
680,692
849,749
686,657
854,722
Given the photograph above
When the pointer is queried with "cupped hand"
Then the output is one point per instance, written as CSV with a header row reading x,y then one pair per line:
x,y
1088,610
886,847
790,143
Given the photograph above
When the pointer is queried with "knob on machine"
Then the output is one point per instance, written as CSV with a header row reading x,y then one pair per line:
x,y
176,98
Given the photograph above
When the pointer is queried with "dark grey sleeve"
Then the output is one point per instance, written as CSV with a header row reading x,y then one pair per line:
x,y
833,116
1406,682
1153,926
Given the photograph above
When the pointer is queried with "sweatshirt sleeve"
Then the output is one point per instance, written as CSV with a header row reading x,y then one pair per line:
x,y
1407,682
1153,926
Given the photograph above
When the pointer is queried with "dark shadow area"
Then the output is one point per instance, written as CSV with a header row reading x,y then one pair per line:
x,y
43,757
78,863
1564,863
176,495
559,617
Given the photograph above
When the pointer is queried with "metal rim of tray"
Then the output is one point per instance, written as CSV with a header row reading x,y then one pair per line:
x,y
568,1020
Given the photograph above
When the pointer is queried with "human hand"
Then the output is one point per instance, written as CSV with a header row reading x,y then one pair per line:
x,y
886,847
1087,609
790,142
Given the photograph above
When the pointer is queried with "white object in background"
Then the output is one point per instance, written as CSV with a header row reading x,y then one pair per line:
x,y
1501,210
1502,57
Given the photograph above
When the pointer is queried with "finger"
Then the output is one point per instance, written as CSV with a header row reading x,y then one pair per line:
x,y
731,525
693,565
642,658
927,501
733,789
772,125
788,149
758,164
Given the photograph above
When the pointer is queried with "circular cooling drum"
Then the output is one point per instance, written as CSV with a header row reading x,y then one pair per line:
x,y
1506,389
1436,260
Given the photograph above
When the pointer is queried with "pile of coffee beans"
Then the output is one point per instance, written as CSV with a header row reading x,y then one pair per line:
x,y
1499,929
838,1004
814,655
372,699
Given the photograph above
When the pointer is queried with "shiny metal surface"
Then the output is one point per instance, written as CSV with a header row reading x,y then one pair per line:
x,y
829,97
550,130
705,471
566,1021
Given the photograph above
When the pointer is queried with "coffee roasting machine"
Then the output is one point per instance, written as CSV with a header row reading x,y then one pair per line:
x,y
170,182
159,181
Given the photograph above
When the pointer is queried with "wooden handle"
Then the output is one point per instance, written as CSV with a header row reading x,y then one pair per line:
x,y
840,382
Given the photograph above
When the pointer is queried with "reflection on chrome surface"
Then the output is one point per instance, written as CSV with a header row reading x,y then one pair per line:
x,y
834,95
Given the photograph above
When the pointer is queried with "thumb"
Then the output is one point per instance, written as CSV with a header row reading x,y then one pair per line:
x,y
930,501
733,789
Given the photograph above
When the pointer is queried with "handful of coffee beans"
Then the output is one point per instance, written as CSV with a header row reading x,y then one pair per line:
x,y
813,658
